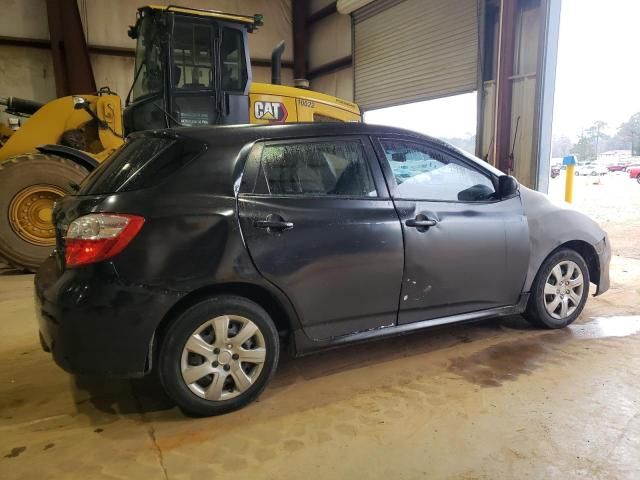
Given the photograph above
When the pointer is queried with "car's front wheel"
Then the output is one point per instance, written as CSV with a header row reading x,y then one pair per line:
x,y
559,291
218,355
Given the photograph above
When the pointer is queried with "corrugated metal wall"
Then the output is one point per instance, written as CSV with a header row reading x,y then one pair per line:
x,y
28,72
330,40
25,72
524,91
523,134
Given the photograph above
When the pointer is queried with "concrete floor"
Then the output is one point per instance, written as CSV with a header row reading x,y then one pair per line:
x,y
489,400
495,399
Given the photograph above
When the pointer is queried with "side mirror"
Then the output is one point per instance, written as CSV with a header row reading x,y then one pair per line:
x,y
133,31
507,186
79,103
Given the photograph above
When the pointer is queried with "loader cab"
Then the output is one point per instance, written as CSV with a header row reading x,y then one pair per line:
x,y
192,67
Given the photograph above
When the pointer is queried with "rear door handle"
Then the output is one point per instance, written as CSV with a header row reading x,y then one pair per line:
x,y
420,222
273,222
276,225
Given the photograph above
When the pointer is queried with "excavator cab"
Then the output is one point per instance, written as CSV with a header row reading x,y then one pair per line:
x,y
192,67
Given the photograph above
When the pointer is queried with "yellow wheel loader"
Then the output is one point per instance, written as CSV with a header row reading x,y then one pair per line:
x,y
192,67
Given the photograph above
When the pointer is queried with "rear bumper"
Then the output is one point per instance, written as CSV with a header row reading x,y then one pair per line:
x,y
93,323
603,249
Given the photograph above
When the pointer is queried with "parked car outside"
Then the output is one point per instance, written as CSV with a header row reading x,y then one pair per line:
x,y
200,253
616,167
591,169
634,172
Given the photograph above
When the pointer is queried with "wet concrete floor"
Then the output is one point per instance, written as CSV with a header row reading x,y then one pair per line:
x,y
495,399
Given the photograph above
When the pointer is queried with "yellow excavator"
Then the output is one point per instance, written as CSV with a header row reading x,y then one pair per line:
x,y
192,67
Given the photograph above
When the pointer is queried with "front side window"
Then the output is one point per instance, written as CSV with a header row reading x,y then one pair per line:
x,y
424,173
314,168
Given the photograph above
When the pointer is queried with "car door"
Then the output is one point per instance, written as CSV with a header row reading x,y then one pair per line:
x,y
465,250
319,224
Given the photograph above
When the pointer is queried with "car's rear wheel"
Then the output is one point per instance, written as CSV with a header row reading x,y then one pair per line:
x,y
559,291
638,179
218,355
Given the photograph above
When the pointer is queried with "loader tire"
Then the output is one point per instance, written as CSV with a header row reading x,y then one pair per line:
x,y
29,185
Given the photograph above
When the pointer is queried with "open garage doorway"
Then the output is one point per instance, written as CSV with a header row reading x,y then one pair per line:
x,y
453,119
597,119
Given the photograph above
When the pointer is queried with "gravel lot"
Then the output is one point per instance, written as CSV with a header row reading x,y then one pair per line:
x,y
613,200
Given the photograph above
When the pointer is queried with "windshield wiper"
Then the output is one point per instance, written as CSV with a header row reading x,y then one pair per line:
x,y
135,79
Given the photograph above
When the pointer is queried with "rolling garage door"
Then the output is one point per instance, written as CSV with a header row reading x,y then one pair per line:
x,y
412,50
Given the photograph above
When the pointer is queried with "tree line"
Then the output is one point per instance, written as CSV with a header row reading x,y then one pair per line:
x,y
594,140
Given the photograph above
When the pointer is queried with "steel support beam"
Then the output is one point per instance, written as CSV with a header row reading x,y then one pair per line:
x,y
299,14
324,12
107,50
71,62
547,84
506,44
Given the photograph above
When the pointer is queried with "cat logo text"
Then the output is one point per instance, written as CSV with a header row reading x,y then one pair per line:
x,y
270,111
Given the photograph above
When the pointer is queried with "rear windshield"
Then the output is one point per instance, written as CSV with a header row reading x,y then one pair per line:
x,y
141,162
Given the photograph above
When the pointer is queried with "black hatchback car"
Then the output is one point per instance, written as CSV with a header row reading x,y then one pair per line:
x,y
198,252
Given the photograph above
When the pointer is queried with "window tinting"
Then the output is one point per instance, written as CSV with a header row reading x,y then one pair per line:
x,y
141,162
423,173
147,115
148,79
323,168
192,110
192,55
234,68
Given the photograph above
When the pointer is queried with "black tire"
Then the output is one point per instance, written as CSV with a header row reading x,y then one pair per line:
x,y
638,179
16,174
536,311
181,329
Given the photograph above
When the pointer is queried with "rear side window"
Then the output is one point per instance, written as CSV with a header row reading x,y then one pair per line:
x,y
314,168
141,162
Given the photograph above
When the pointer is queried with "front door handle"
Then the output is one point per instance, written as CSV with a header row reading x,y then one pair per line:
x,y
273,222
420,222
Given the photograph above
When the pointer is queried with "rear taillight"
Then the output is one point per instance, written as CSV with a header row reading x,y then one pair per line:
x,y
99,236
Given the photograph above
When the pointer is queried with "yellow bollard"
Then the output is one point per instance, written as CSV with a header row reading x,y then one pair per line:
x,y
568,186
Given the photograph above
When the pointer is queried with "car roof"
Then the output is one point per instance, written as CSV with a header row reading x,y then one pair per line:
x,y
242,134
231,136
